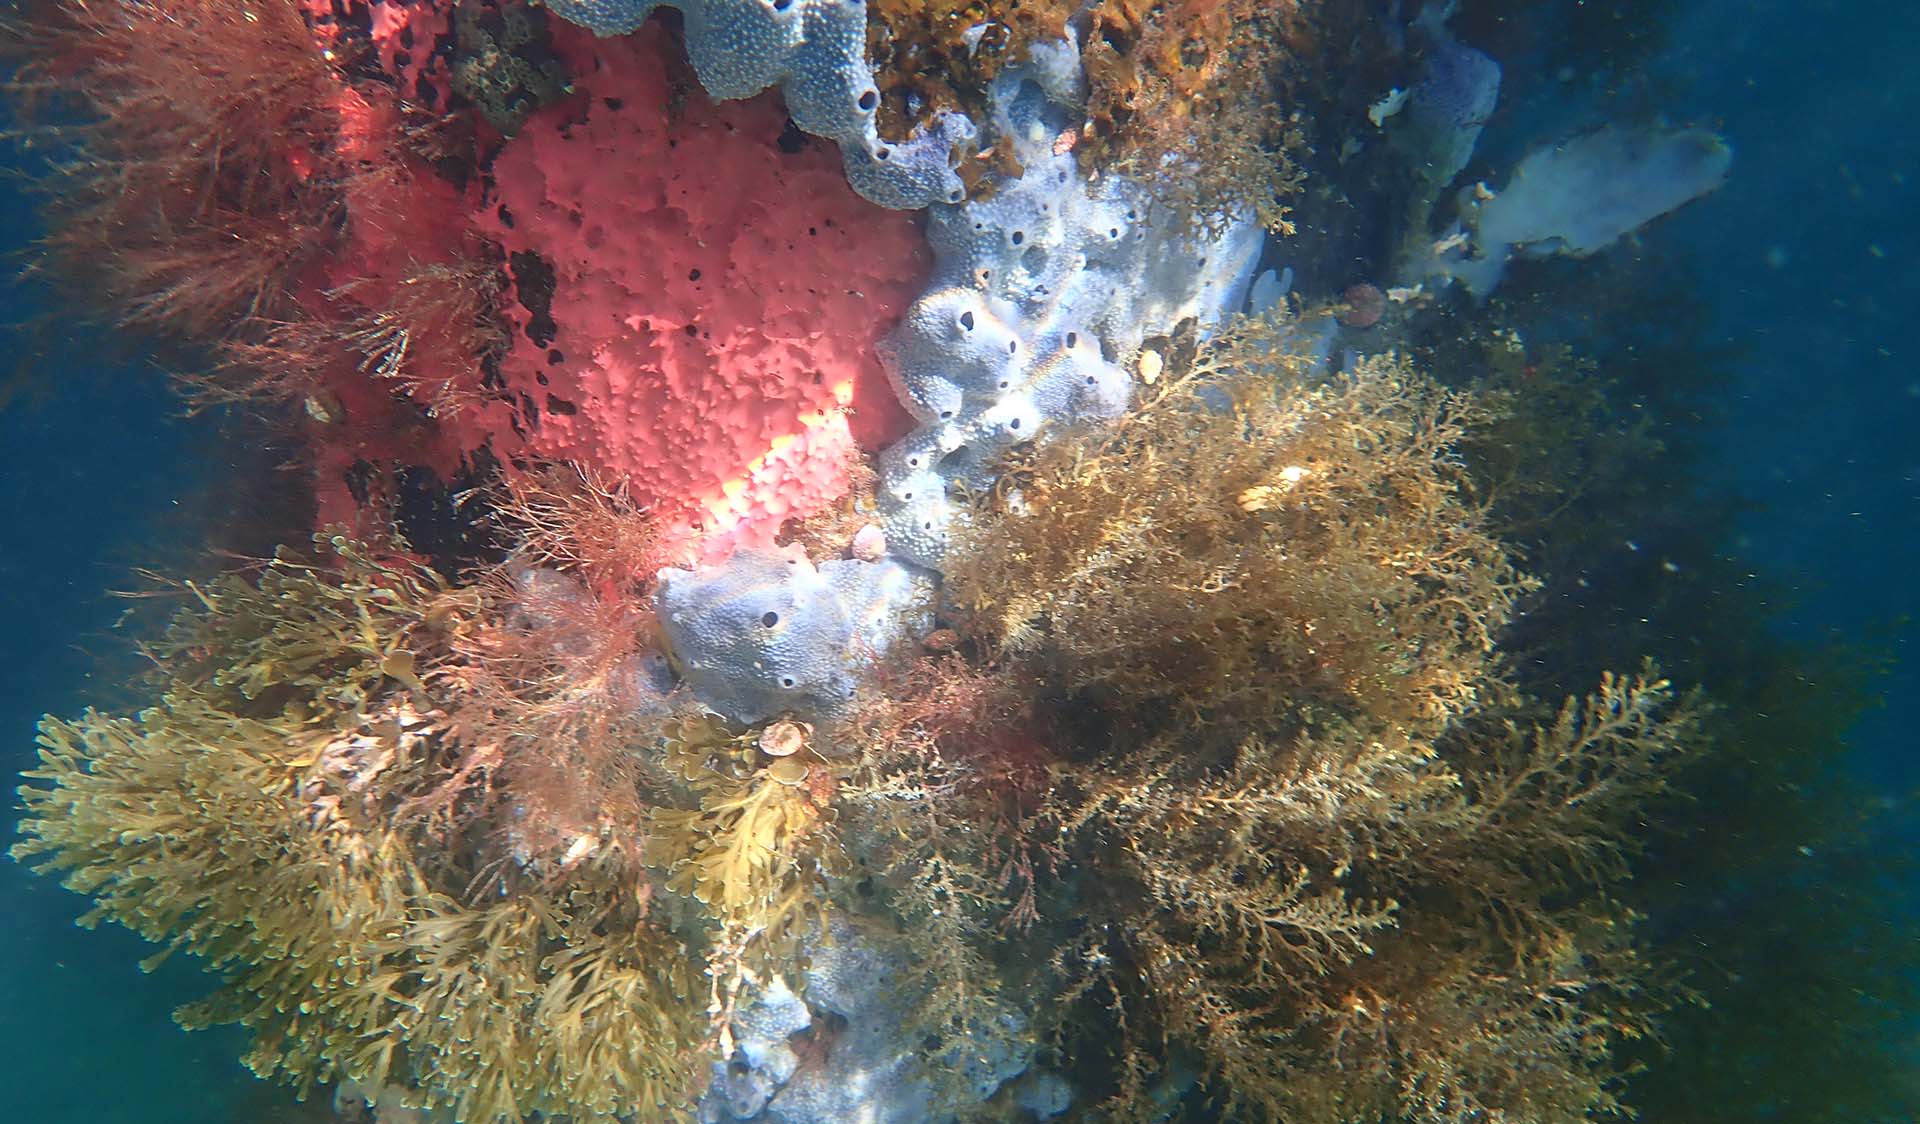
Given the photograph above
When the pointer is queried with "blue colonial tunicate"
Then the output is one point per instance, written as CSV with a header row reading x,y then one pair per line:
x,y
770,633
1040,299
815,51
1578,197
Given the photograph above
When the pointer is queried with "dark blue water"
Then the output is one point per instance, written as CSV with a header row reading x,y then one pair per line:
x,y
92,472
1808,260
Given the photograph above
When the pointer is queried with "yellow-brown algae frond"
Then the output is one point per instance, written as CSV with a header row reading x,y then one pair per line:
x,y
1234,543
1346,929
259,816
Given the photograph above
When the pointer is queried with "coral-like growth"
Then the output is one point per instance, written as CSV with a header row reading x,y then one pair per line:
x,y
1183,96
715,349
936,56
1229,548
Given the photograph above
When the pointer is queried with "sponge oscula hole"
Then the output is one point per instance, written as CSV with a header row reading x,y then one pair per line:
x,y
769,618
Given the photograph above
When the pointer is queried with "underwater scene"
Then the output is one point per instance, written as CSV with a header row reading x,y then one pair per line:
x,y
896,561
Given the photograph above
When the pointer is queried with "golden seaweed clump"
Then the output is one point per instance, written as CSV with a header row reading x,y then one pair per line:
x,y
1235,548
272,813
1343,931
752,846
1325,855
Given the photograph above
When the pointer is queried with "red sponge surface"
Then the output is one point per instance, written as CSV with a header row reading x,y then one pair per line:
x,y
697,295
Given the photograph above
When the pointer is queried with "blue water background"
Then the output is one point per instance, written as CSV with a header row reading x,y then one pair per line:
x,y
1809,258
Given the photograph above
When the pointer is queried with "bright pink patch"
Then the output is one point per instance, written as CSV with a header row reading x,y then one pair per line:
x,y
716,301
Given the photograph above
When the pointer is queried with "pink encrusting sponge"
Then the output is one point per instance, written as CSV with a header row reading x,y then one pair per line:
x,y
695,298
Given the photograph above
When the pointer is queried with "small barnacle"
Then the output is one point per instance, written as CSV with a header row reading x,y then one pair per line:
x,y
785,737
324,407
1151,363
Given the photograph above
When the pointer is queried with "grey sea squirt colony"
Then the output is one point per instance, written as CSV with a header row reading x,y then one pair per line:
x,y
851,783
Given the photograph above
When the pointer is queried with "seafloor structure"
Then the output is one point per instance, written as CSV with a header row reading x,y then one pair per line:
x,y
847,576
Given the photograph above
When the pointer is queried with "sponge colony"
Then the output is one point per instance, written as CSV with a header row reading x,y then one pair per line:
x,y
769,633
1039,302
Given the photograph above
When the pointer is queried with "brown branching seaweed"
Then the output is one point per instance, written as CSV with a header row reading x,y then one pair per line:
x,y
1229,549
260,816
1184,95
754,851
571,520
548,693
1345,932
556,680
1318,844
941,813
425,334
